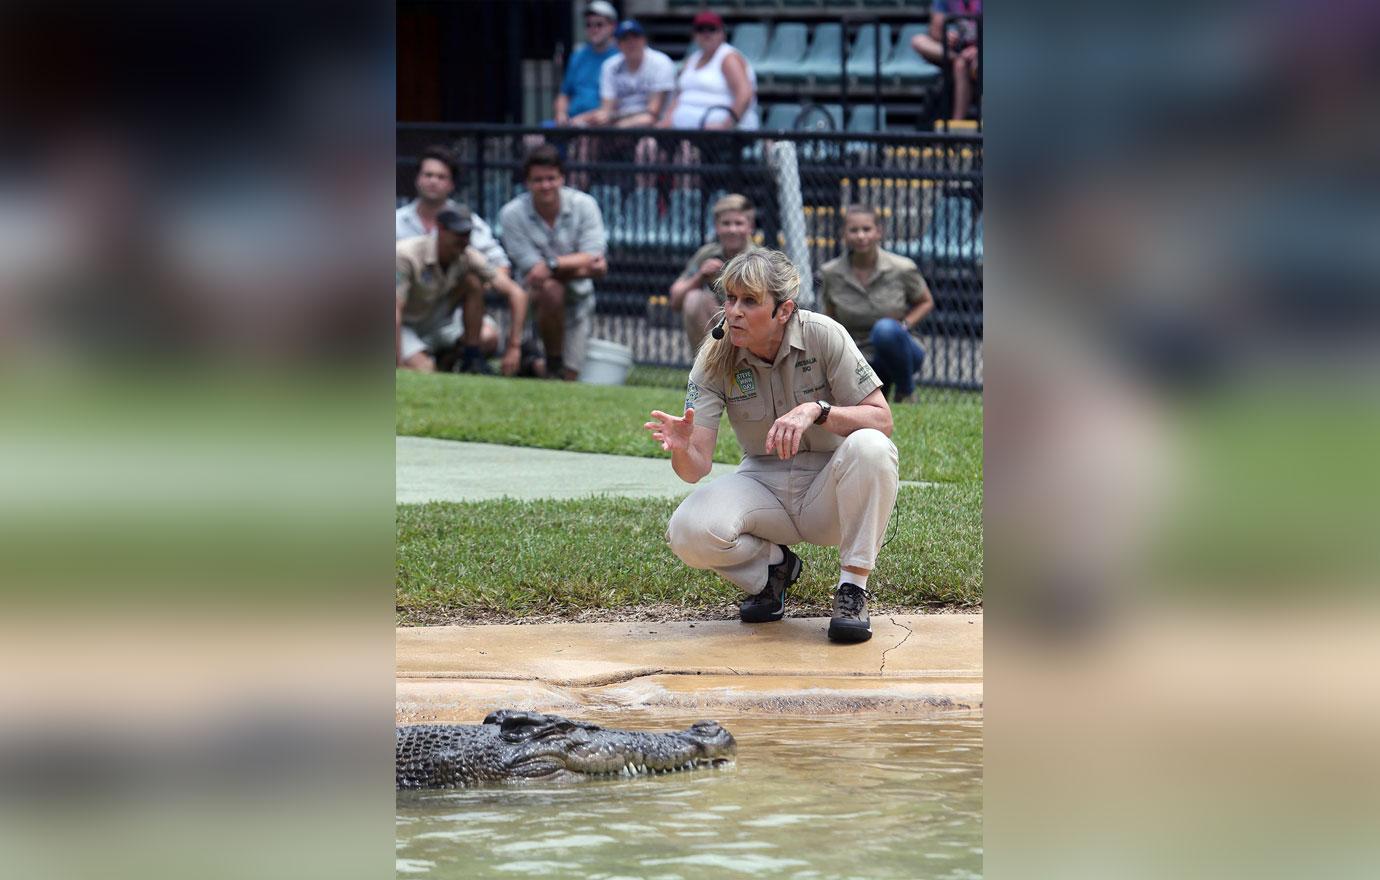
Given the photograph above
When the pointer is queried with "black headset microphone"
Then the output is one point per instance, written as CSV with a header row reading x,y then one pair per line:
x,y
718,332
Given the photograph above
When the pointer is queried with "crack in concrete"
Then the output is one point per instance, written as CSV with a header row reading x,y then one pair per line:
x,y
909,633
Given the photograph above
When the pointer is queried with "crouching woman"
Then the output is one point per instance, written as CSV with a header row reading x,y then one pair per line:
x,y
818,462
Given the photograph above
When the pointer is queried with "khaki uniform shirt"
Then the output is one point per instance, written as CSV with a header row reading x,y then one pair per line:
x,y
711,250
817,361
430,295
893,289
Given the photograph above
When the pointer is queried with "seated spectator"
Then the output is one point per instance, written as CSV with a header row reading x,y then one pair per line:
x,y
436,277
878,297
436,176
635,83
555,236
953,41
715,75
693,294
579,95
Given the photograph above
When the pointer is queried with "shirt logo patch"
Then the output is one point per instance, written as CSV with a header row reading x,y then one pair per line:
x,y
427,276
746,381
745,386
863,372
692,394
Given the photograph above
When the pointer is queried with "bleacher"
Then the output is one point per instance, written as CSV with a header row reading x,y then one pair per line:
x,y
846,53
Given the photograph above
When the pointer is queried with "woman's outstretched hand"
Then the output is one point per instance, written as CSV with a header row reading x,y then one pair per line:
x,y
671,431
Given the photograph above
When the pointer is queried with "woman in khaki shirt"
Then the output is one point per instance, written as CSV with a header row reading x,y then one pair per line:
x,y
818,462
879,297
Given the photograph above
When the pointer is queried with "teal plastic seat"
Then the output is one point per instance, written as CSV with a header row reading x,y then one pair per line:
x,y
709,216
610,201
643,216
781,117
750,38
952,236
785,51
863,53
905,64
822,60
865,118
820,117
686,206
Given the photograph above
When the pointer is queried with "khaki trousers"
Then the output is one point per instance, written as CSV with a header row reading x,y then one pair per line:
x,y
841,499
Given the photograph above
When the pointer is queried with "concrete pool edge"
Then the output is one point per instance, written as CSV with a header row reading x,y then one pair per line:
x,y
914,664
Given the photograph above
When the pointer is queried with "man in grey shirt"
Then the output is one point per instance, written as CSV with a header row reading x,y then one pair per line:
x,y
555,237
436,175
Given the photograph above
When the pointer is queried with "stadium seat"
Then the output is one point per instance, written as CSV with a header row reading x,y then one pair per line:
x,y
952,234
785,51
684,220
610,201
643,215
822,60
905,64
781,117
709,215
750,38
864,118
820,117
862,55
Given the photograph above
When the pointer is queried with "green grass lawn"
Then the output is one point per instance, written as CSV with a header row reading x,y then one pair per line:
x,y
511,558
606,552
940,439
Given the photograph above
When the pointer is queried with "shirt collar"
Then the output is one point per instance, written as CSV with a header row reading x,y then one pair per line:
x,y
564,209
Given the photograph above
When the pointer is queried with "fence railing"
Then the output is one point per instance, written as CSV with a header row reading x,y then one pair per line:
x,y
656,190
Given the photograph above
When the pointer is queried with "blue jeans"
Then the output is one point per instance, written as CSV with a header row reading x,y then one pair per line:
x,y
897,356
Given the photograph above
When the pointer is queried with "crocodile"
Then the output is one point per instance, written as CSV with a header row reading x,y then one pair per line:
x,y
512,746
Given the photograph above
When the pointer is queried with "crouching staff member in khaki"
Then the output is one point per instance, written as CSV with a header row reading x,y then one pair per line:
x,y
818,463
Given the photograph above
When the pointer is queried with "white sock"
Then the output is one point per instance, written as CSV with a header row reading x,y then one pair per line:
x,y
852,577
776,555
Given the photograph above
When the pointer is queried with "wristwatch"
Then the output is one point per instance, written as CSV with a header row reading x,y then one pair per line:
x,y
824,408
553,263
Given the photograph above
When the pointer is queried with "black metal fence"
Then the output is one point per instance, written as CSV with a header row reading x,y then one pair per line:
x,y
656,190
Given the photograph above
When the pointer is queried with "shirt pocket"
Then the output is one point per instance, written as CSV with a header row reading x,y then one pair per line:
x,y
752,409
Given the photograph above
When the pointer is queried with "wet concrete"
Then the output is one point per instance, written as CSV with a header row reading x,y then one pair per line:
x,y
913,665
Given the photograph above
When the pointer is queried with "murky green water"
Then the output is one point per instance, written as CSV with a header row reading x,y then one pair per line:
x,y
808,797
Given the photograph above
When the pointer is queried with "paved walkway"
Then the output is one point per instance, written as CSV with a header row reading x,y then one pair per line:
x,y
913,665
448,470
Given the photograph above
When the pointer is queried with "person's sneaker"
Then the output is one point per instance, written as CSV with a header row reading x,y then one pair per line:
x,y
770,604
479,366
850,622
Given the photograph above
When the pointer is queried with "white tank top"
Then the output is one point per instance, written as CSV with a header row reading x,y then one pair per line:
x,y
707,87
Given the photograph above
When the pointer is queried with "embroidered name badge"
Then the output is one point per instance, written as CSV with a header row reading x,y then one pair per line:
x,y
746,382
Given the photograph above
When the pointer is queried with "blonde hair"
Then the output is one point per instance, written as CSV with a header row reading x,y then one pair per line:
x,y
733,202
764,274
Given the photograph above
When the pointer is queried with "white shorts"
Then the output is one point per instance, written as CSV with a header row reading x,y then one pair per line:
x,y
442,337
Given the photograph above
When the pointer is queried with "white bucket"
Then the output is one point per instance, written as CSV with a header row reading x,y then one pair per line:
x,y
606,363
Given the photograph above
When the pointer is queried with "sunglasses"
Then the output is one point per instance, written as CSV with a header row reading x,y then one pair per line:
x,y
706,29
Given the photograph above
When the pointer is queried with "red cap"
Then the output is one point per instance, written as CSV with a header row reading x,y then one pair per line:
x,y
708,17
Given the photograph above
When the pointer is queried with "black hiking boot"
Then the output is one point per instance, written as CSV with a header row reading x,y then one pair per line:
x,y
850,622
770,604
